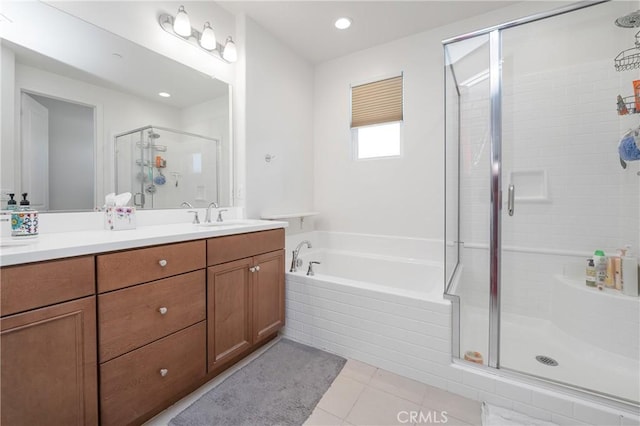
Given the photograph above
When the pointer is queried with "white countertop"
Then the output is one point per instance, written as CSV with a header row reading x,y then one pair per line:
x,y
67,244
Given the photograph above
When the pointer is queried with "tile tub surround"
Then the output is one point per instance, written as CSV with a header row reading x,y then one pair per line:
x,y
412,338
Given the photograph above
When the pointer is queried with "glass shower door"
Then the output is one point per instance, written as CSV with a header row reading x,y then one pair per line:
x,y
467,206
566,195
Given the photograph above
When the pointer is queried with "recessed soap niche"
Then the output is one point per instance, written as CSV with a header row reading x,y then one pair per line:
x,y
531,186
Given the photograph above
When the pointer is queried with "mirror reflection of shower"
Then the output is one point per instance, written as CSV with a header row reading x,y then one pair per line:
x,y
165,167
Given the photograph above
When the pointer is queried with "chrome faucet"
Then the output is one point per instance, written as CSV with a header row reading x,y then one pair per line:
x,y
310,271
207,218
295,262
186,204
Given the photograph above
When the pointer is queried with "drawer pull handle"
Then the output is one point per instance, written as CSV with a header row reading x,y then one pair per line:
x,y
258,268
252,269
163,310
164,372
162,262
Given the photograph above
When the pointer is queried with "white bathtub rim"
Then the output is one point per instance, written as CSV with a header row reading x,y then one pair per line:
x,y
371,289
373,256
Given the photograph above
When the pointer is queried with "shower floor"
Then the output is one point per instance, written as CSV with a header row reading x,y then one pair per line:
x,y
580,364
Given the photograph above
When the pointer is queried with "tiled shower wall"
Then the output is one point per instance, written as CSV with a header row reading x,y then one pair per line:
x,y
561,122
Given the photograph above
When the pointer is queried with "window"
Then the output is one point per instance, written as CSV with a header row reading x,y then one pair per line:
x,y
376,118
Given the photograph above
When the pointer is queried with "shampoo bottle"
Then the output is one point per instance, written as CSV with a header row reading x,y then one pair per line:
x,y
591,273
629,273
600,261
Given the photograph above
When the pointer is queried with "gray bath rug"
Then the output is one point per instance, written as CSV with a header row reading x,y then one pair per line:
x,y
280,387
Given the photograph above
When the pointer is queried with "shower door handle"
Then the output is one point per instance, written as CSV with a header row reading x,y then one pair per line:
x,y
510,199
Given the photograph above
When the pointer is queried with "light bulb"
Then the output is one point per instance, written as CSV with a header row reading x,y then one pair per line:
x,y
181,24
342,23
230,52
208,37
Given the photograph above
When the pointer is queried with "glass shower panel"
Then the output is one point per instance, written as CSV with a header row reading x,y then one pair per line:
x,y
467,192
571,197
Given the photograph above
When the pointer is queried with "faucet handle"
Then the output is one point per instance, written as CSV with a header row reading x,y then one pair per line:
x,y
196,219
219,219
310,271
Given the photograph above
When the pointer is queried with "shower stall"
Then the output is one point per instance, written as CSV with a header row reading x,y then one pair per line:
x,y
534,185
165,167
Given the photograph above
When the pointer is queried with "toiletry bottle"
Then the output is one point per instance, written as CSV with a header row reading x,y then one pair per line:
x,y
617,270
12,204
609,279
629,273
591,273
600,261
24,203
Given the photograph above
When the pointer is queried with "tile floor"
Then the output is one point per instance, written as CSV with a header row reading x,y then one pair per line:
x,y
363,395
366,395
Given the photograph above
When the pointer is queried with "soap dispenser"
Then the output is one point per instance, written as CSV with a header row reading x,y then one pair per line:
x,y
24,220
24,203
11,204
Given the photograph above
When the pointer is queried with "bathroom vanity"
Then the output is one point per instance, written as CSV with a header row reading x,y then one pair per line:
x,y
116,336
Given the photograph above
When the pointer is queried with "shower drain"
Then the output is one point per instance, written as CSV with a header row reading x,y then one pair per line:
x,y
546,360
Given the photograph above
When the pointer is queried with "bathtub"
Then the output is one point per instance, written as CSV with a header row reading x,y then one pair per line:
x,y
376,299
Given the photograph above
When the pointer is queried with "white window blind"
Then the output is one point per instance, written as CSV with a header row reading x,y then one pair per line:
x,y
377,102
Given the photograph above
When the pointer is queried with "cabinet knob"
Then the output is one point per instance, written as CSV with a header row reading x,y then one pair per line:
x,y
163,310
252,269
162,262
258,268
164,372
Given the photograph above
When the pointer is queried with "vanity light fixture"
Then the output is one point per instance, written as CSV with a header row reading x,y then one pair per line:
x,y
342,23
230,53
180,26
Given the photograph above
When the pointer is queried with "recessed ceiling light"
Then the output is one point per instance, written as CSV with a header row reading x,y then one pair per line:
x,y
342,23
164,94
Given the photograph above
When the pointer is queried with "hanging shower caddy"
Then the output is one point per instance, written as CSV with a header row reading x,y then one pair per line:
x,y
629,59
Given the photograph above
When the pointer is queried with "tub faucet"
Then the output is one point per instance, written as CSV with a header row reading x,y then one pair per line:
x,y
295,262
207,218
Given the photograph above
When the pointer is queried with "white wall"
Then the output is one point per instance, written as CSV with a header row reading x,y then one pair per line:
x,y
279,93
394,196
71,177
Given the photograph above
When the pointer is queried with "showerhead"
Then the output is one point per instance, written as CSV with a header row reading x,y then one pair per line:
x,y
629,21
153,135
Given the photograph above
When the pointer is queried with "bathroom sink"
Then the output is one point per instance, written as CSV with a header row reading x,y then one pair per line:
x,y
232,222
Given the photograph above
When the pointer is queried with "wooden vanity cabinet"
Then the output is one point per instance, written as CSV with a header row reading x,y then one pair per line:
x,y
48,370
245,295
151,318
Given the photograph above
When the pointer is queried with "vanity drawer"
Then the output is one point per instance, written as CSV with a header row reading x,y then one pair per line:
x,y
135,316
133,385
234,247
34,285
126,268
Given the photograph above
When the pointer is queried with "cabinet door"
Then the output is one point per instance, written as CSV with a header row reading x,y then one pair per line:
x,y
268,295
48,372
228,311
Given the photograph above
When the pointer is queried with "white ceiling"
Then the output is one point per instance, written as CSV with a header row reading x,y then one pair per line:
x,y
307,26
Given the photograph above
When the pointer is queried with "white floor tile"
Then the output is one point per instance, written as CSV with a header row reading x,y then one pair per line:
x,y
399,386
319,417
376,407
456,406
358,371
341,396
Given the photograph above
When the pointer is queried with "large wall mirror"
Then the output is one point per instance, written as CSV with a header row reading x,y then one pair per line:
x,y
86,113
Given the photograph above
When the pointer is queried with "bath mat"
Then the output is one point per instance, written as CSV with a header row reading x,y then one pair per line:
x,y
498,416
280,387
